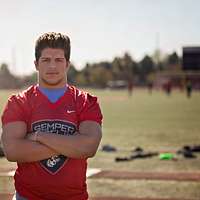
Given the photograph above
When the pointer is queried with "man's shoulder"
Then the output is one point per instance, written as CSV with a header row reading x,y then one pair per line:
x,y
82,97
78,93
23,95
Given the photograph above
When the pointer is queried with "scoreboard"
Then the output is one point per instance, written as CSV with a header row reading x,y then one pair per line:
x,y
191,58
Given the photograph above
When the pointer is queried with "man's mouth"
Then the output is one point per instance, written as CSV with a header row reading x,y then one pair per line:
x,y
52,73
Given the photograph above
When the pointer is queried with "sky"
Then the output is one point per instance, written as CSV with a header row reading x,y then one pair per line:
x,y
99,29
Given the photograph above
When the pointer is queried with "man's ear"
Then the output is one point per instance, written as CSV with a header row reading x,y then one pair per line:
x,y
36,64
68,64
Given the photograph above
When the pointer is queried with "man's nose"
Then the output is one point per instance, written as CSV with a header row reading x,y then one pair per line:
x,y
52,64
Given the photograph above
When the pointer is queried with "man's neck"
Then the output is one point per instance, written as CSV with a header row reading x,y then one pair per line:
x,y
52,86
47,84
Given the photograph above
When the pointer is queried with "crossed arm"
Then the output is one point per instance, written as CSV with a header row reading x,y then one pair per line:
x,y
18,147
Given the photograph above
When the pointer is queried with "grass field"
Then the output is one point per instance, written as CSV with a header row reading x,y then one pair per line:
x,y
154,122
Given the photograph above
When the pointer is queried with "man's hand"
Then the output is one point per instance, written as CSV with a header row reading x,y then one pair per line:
x,y
80,145
32,136
18,148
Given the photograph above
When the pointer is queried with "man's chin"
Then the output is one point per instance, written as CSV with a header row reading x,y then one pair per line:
x,y
53,83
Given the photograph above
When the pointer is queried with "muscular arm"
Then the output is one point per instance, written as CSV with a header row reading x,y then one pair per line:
x,y
18,148
81,145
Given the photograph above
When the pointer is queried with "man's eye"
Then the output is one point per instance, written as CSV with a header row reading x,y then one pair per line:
x,y
45,60
59,60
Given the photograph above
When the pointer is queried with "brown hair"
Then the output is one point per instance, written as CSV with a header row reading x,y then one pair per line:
x,y
52,40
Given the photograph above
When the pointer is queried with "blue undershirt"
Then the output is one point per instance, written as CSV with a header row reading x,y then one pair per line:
x,y
53,94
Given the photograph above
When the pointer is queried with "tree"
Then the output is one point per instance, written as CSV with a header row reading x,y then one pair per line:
x,y
7,80
100,74
4,71
117,69
173,59
173,62
146,66
72,74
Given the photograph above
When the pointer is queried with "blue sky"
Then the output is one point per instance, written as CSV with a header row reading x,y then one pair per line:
x,y
99,30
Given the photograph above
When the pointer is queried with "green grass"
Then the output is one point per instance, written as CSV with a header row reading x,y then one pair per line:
x,y
144,189
154,122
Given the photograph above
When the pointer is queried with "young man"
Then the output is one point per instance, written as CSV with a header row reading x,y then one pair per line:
x,y
51,128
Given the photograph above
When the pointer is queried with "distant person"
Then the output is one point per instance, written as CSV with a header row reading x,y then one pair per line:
x,y
189,88
51,128
130,87
168,87
150,87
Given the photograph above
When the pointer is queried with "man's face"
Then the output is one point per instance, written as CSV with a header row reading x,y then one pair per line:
x,y
52,67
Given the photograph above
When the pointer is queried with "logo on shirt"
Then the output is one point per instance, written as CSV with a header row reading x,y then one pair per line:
x,y
55,163
70,111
